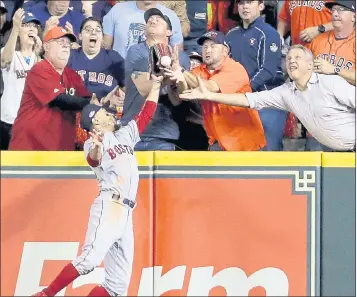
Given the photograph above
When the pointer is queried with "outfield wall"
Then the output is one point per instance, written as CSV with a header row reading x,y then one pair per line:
x,y
207,223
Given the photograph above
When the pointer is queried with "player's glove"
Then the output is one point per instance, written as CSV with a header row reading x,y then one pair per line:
x,y
160,56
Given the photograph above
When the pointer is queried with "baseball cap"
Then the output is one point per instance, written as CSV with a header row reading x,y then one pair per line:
x,y
351,5
216,36
89,112
154,11
29,17
3,9
58,32
195,55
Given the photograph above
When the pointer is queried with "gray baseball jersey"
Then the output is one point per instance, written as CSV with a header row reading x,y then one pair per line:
x,y
118,171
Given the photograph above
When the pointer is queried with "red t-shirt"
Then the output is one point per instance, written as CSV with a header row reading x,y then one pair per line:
x,y
40,127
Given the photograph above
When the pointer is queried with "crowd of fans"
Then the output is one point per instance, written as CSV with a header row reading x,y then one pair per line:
x,y
294,61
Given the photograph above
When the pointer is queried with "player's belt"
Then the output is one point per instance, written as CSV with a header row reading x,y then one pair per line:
x,y
124,201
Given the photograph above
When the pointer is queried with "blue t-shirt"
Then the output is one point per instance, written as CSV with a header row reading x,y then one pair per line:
x,y
197,14
73,16
99,10
100,74
162,125
125,22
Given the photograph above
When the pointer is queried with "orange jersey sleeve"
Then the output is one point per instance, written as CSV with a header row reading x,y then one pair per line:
x,y
341,53
284,14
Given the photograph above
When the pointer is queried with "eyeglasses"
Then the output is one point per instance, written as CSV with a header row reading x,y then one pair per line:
x,y
63,41
90,30
339,9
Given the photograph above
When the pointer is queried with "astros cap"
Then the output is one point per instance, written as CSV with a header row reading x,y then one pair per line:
x,y
29,17
351,5
154,11
3,9
215,36
58,32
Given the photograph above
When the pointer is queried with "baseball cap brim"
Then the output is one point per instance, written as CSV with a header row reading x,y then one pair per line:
x,y
195,55
58,32
346,3
3,9
154,11
31,19
89,112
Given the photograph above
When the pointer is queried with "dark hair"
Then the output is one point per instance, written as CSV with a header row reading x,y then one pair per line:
x,y
91,19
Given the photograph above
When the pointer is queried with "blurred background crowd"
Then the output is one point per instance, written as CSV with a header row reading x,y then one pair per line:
x,y
112,36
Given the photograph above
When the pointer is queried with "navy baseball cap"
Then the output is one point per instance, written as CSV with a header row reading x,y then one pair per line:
x,y
89,112
215,36
154,11
30,17
351,5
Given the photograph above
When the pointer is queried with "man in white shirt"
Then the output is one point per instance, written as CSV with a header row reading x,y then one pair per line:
x,y
124,25
325,104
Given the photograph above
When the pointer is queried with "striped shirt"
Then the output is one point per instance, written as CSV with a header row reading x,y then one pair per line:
x,y
327,108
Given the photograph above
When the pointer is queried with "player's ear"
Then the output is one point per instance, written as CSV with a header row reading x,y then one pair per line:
x,y
80,36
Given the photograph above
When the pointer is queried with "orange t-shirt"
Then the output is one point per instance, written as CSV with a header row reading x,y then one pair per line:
x,y
234,128
301,14
339,52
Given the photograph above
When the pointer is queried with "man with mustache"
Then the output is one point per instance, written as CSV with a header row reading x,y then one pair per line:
x,y
52,95
325,104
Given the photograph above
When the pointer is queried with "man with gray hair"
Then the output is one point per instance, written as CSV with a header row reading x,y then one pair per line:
x,y
325,104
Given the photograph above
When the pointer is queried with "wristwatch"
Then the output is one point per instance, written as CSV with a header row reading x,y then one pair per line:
x,y
337,70
321,28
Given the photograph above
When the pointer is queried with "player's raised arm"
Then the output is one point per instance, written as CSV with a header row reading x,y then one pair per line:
x,y
95,152
147,111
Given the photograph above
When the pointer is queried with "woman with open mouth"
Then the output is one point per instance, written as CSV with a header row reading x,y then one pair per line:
x,y
101,70
21,52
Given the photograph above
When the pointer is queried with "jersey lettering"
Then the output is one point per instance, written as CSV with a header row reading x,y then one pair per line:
x,y
317,5
82,73
339,62
70,91
21,73
100,78
120,149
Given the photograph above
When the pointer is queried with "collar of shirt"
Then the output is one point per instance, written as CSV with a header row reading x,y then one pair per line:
x,y
256,22
313,80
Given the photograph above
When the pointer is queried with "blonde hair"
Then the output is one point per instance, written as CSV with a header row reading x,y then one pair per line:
x,y
307,52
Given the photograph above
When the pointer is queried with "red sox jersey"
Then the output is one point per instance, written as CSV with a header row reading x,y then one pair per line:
x,y
118,170
39,126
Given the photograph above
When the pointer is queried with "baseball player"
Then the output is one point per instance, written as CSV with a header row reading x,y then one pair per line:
x,y
110,154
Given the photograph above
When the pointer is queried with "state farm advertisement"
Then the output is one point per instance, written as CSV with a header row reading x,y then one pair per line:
x,y
195,237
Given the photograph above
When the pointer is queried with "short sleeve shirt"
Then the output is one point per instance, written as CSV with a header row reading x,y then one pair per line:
x,y
234,128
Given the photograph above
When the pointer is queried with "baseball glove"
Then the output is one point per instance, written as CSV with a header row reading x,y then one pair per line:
x,y
160,56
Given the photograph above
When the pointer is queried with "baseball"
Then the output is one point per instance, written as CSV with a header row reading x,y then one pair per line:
x,y
165,61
